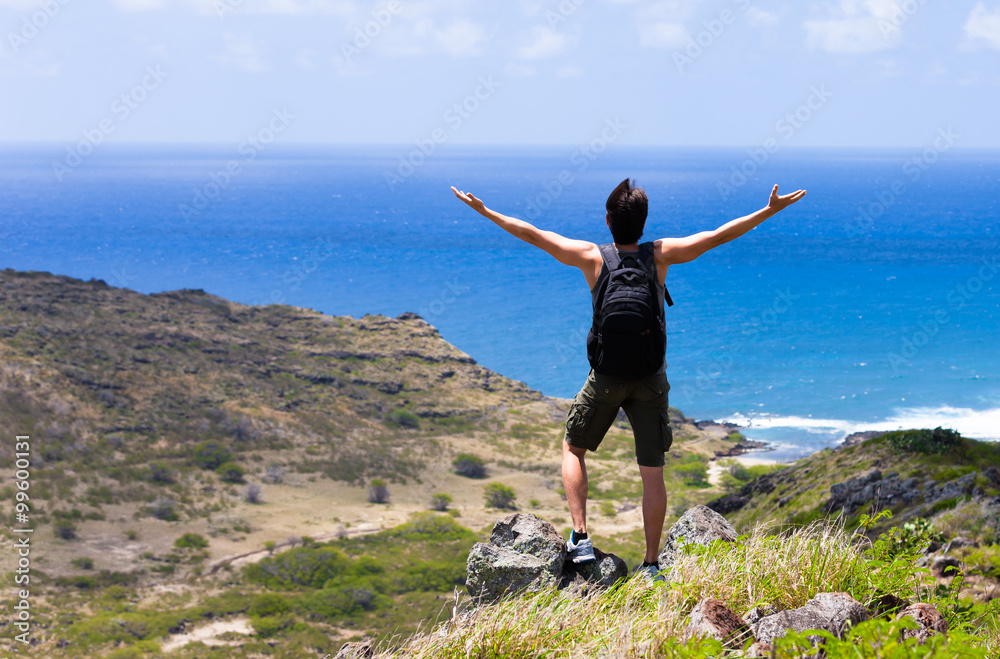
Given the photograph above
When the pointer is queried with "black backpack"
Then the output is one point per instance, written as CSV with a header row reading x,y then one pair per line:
x,y
628,336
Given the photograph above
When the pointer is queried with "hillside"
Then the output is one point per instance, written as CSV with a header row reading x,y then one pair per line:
x,y
178,436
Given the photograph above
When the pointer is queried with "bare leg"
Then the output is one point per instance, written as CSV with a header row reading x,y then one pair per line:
x,y
654,508
574,474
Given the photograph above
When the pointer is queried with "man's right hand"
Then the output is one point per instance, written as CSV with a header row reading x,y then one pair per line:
x,y
474,203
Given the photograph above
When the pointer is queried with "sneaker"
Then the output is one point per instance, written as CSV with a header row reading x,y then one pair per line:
x,y
580,552
649,573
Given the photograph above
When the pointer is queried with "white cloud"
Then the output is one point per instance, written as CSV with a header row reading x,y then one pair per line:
x,y
983,26
544,42
461,38
663,35
858,27
241,53
759,17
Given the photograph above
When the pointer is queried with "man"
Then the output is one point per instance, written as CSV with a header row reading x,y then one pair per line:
x,y
643,397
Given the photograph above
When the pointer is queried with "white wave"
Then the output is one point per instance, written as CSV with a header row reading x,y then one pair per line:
x,y
976,424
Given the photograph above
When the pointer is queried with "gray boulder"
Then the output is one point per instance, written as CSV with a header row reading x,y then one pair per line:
x,y
700,525
832,612
603,572
526,553
711,618
945,567
527,534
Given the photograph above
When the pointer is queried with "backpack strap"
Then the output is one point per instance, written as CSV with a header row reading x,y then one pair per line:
x,y
610,256
646,254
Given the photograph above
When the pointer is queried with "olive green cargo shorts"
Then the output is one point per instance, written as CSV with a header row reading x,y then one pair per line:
x,y
645,403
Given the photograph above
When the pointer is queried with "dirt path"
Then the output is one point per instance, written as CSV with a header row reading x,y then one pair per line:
x,y
237,560
207,634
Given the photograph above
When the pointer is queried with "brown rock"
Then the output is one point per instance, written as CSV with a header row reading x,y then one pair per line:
x,y
356,650
711,618
930,620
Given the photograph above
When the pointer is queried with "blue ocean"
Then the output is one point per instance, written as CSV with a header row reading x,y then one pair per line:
x,y
873,303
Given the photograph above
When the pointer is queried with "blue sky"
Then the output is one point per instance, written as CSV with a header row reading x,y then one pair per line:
x,y
684,72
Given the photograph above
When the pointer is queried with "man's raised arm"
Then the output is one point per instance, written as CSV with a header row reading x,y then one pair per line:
x,y
682,250
577,253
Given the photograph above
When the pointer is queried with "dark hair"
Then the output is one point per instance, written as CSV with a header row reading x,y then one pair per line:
x,y
627,207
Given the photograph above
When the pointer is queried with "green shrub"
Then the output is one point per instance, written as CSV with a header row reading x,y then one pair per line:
x,y
405,419
230,472
938,441
163,508
211,454
269,626
269,604
160,473
191,541
499,496
378,491
440,501
694,474
84,563
470,466
64,529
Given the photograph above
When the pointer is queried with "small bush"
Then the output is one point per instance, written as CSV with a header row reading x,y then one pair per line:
x,y
405,419
378,491
275,474
231,472
251,493
694,474
499,496
84,563
163,508
211,454
160,473
268,604
132,534
938,441
440,501
64,529
191,541
470,466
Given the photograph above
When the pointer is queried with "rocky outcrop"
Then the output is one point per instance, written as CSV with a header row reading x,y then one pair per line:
x,y
735,501
356,650
889,490
700,525
526,553
832,612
